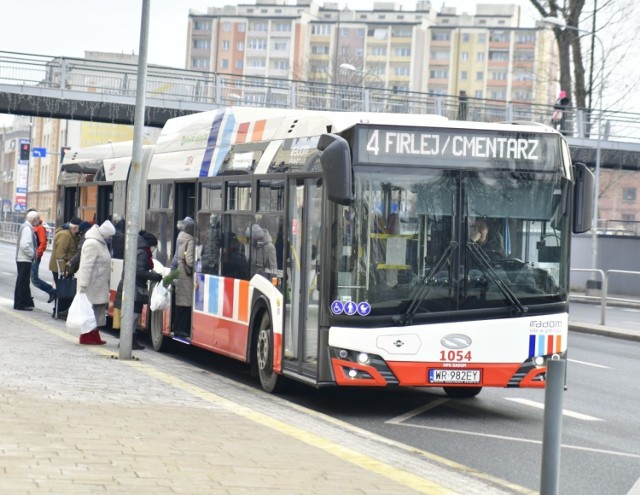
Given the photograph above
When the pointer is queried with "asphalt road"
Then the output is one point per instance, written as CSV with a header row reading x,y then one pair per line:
x,y
500,431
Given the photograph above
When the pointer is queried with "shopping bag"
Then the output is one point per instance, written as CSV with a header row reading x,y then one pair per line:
x,y
81,318
160,298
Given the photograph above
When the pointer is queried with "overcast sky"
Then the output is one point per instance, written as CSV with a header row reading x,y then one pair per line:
x,y
71,27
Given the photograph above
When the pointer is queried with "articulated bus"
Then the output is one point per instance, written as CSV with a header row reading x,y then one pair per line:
x,y
343,248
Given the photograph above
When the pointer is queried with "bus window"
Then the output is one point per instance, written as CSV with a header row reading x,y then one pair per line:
x,y
210,238
235,262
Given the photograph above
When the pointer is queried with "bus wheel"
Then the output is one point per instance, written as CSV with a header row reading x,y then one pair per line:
x,y
161,343
264,355
462,392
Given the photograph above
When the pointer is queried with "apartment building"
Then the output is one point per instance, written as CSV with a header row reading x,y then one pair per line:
x,y
488,54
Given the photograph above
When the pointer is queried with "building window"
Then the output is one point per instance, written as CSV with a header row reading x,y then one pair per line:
x,y
498,94
321,49
499,36
344,32
482,37
440,36
402,52
280,46
257,44
282,27
360,33
226,27
377,51
463,75
479,76
280,64
242,27
240,46
439,74
226,44
239,64
480,57
224,63
440,55
478,93
321,29
202,25
201,43
464,56
629,194
465,37
256,62
502,56
401,71
258,26
498,76
200,63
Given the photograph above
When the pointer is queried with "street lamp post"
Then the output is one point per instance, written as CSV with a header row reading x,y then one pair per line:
x,y
552,21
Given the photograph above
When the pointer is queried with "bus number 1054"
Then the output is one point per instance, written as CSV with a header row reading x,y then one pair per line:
x,y
455,355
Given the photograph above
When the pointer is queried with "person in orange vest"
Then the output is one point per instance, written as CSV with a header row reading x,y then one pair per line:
x,y
41,237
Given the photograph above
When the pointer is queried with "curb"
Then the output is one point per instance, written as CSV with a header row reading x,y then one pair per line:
x,y
617,333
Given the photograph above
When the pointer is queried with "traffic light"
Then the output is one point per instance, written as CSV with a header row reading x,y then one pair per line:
x,y
25,151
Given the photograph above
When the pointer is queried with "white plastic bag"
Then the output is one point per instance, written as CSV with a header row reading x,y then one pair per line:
x,y
80,317
160,298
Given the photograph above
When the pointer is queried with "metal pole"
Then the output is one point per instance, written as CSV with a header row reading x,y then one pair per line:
x,y
26,189
134,187
552,434
594,227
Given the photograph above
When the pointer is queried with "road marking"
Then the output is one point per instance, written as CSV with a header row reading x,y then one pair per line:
x,y
566,412
417,411
522,440
589,364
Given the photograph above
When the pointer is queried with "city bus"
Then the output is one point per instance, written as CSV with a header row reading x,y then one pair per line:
x,y
341,249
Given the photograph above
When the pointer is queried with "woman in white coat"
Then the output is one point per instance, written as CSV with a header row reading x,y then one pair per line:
x,y
93,276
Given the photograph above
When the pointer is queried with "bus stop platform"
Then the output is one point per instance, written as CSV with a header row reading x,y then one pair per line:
x,y
75,419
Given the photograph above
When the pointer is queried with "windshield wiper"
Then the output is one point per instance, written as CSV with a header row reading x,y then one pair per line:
x,y
484,260
423,289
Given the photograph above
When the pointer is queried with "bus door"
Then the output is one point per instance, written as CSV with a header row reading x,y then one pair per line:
x,y
104,206
303,271
184,206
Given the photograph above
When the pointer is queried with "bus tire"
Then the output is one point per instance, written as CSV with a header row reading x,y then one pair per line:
x,y
160,342
462,392
264,355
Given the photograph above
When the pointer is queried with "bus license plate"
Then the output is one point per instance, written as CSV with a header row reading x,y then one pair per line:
x,y
454,376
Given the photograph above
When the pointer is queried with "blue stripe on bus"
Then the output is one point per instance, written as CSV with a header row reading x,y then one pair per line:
x,y
532,345
199,295
542,341
214,293
225,142
211,143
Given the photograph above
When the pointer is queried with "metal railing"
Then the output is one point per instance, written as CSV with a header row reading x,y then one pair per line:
x,y
604,295
181,87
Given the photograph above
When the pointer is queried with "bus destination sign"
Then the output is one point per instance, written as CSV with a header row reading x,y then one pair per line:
x,y
421,146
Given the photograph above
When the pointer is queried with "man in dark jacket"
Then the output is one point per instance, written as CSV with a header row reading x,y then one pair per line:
x,y
144,272
74,262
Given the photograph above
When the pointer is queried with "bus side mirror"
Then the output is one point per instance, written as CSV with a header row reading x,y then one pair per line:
x,y
583,192
336,168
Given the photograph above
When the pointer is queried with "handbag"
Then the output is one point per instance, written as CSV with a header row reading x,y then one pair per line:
x,y
142,295
66,288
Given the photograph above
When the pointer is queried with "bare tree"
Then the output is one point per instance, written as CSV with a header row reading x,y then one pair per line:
x,y
568,45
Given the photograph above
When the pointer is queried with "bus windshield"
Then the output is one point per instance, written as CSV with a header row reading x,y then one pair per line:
x,y
431,241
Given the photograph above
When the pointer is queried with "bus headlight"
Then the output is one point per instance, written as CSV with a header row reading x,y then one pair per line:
x,y
363,358
538,361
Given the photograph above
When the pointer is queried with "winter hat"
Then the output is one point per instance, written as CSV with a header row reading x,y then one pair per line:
x,y
74,221
189,226
107,229
83,227
149,238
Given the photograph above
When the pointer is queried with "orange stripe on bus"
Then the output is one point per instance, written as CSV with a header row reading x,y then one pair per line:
x,y
243,301
558,343
258,129
243,130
